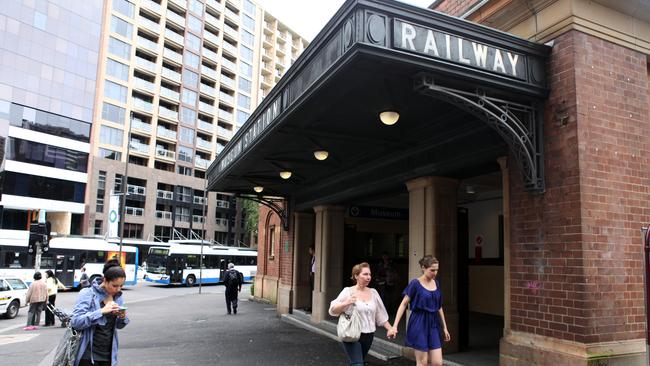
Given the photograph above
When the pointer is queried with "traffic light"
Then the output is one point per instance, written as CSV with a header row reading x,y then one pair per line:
x,y
38,233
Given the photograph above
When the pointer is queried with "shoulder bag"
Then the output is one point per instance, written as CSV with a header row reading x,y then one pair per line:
x,y
66,352
349,326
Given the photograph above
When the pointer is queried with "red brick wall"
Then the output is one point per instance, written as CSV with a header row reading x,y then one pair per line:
x,y
576,250
282,260
455,7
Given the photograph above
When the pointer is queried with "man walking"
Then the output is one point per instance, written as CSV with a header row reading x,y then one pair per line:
x,y
233,281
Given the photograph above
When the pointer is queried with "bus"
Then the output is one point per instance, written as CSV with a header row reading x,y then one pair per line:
x,y
178,263
65,258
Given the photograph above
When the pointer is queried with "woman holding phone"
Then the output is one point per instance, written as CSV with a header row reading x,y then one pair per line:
x,y
99,312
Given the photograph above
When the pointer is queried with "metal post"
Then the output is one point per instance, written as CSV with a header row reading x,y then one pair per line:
x,y
125,180
646,286
205,187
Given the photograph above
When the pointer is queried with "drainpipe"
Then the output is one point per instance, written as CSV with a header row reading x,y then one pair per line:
x,y
646,284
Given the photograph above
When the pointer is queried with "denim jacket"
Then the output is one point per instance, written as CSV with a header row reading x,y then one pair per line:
x,y
87,313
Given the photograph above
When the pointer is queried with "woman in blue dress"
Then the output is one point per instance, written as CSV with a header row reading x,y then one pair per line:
x,y
427,318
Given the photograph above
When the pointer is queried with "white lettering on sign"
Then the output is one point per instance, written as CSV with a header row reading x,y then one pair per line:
x,y
438,44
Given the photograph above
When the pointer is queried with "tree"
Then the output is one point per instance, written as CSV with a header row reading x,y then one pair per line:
x,y
252,214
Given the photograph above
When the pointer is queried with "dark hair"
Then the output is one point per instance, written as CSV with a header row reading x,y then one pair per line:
x,y
356,270
427,261
49,273
37,276
113,270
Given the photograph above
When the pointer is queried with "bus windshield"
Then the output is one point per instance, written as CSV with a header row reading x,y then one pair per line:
x,y
157,260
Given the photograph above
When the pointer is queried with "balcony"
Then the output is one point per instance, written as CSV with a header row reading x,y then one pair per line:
x,y
145,64
230,31
197,219
268,26
147,44
227,98
210,37
223,204
134,211
229,48
182,217
206,108
228,65
163,215
144,85
225,80
171,75
155,7
136,190
235,3
225,115
179,20
138,124
201,143
209,54
148,24
212,20
223,132
142,105
181,3
198,200
164,153
231,15
167,113
267,55
166,133
139,147
169,94
213,4
201,163
173,55
166,195
222,222
207,89
220,148
211,73
205,126
173,36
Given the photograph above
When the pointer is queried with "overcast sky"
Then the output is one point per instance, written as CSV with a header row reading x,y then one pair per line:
x,y
308,17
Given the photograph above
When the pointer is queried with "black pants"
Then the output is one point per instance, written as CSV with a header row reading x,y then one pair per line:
x,y
84,362
49,316
231,300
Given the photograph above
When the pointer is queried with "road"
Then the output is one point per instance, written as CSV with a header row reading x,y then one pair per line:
x,y
177,326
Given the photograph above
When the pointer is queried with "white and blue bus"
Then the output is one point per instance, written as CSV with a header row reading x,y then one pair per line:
x,y
65,258
178,264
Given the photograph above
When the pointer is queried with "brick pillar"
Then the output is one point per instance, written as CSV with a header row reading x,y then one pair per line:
x,y
576,255
304,237
433,230
329,229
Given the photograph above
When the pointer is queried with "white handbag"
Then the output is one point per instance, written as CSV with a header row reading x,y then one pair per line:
x,y
349,326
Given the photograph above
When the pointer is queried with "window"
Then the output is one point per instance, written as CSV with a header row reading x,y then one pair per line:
x,y
184,194
97,229
40,20
188,97
101,180
190,78
186,135
133,230
242,117
271,236
121,27
196,6
188,116
183,170
115,91
246,69
195,24
101,191
193,42
15,259
248,22
191,59
247,38
124,7
246,53
117,187
182,214
249,7
109,154
244,101
111,136
46,155
113,113
119,48
26,185
245,85
185,154
117,69
41,121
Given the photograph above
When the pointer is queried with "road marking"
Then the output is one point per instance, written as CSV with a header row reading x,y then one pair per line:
x,y
16,338
11,327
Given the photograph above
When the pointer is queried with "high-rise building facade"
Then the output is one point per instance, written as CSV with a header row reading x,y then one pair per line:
x,y
48,66
176,80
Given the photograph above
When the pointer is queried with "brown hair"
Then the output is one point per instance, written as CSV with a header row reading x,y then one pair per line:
x,y
356,270
427,261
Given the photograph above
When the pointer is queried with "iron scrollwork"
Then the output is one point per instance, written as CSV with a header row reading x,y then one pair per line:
x,y
516,123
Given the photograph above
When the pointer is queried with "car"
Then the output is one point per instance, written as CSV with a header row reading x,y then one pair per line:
x,y
13,292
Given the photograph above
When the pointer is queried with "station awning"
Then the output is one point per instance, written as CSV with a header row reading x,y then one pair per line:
x,y
465,94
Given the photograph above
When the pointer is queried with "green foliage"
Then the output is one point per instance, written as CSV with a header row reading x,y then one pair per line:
x,y
252,212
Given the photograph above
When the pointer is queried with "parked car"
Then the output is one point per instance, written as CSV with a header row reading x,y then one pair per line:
x,y
13,292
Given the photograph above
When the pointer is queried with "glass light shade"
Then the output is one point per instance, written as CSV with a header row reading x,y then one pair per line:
x,y
321,154
389,117
285,174
258,189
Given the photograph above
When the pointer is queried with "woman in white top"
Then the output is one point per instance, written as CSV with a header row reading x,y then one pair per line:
x,y
371,310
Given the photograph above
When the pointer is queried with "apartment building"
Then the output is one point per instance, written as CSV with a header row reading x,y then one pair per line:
x,y
176,80
48,67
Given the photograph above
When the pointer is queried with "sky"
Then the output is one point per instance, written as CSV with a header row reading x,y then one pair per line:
x,y
308,17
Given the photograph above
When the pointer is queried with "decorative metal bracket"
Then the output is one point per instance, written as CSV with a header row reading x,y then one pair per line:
x,y
518,124
278,205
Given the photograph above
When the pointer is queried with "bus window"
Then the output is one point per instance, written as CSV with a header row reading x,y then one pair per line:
x,y
48,261
15,260
130,257
252,261
192,261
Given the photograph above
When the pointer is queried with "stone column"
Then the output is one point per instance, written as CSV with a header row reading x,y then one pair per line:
x,y
433,230
329,228
303,238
